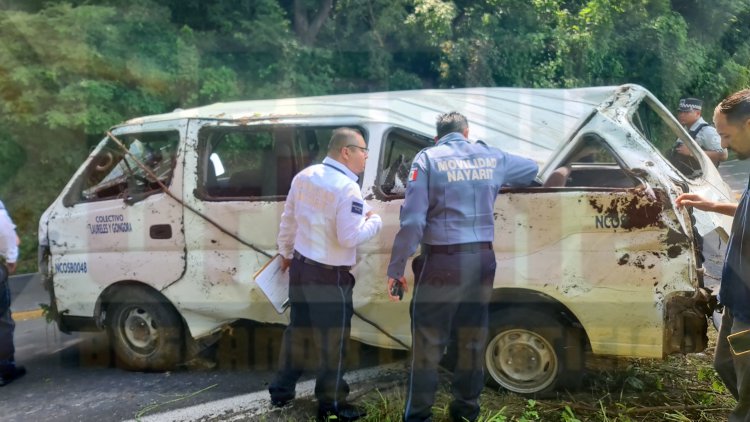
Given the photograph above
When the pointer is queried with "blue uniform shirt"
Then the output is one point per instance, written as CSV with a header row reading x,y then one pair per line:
x,y
450,196
735,279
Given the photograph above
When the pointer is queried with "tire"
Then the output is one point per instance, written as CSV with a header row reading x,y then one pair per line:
x,y
145,331
532,353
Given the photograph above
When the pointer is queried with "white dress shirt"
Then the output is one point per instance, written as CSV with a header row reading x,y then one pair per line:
x,y
8,238
324,215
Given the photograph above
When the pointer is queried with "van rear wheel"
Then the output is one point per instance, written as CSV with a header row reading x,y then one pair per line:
x,y
532,353
145,331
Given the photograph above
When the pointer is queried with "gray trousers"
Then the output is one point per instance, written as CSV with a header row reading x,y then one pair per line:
x,y
734,370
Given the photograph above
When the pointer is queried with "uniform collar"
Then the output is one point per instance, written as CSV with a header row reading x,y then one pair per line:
x,y
697,123
453,136
338,166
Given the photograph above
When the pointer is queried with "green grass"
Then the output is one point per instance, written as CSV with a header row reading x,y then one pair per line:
x,y
679,388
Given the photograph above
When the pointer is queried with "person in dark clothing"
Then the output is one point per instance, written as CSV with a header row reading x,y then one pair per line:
x,y
732,119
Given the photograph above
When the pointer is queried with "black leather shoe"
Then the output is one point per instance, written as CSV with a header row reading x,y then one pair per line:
x,y
344,413
11,374
281,401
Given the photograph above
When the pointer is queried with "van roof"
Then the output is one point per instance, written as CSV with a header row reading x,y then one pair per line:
x,y
530,122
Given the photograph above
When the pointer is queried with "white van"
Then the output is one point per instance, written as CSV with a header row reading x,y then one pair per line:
x,y
157,236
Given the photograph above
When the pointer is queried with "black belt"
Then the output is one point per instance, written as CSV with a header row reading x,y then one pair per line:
x,y
309,261
459,247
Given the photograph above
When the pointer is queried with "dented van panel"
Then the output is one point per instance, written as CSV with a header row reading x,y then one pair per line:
x,y
168,220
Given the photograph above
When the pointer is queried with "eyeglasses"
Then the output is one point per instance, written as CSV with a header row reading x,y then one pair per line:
x,y
365,150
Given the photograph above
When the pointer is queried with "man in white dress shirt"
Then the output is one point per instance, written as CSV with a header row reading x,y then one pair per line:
x,y
324,219
9,371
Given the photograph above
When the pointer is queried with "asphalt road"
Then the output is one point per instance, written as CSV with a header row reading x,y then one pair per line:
x,y
74,377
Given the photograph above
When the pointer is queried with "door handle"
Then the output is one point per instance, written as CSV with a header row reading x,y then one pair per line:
x,y
160,231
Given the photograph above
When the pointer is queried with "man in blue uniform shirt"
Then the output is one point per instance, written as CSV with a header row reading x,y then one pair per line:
x,y
449,208
324,220
732,120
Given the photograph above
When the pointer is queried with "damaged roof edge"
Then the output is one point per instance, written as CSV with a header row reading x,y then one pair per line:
x,y
532,122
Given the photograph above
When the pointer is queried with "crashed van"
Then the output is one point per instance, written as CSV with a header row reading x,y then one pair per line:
x,y
158,235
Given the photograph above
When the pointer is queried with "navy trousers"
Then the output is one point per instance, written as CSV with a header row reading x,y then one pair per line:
x,y
320,323
7,326
450,304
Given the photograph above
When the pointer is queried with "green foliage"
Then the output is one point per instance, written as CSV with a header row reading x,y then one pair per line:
x,y
567,415
530,413
71,69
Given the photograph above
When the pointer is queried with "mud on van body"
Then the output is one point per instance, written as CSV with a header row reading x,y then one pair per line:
x,y
157,236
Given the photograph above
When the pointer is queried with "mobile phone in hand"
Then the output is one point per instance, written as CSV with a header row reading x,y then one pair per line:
x,y
397,290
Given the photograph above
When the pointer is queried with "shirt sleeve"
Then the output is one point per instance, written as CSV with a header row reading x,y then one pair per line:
x,y
288,224
519,171
8,243
413,217
710,139
352,227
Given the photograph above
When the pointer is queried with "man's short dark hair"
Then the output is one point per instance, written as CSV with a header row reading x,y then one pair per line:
x,y
736,107
451,122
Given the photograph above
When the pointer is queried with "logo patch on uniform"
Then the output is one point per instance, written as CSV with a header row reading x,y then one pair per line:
x,y
357,207
413,175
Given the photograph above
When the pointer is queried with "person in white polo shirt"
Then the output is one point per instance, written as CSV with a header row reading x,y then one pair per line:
x,y
324,219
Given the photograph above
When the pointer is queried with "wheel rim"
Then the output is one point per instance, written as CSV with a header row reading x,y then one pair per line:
x,y
139,329
521,361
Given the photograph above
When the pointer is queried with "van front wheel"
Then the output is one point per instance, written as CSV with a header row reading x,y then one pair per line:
x,y
145,331
532,353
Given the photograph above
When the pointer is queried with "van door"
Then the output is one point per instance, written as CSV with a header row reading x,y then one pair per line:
x,y
241,178
397,148
115,223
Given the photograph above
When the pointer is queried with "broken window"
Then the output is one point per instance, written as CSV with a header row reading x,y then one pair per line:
x,y
400,148
133,171
666,138
591,164
256,162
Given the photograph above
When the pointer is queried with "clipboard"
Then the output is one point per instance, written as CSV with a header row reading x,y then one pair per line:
x,y
274,283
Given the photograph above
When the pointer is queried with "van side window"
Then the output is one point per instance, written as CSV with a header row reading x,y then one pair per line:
x,y
133,174
400,148
256,162
590,164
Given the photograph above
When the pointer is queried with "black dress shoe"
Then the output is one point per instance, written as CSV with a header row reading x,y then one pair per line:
x,y
281,400
344,413
11,374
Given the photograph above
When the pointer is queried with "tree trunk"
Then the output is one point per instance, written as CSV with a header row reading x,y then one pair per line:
x,y
307,30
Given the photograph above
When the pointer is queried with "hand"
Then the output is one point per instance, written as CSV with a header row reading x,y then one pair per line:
x,y
11,266
683,150
694,200
368,215
285,264
401,282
